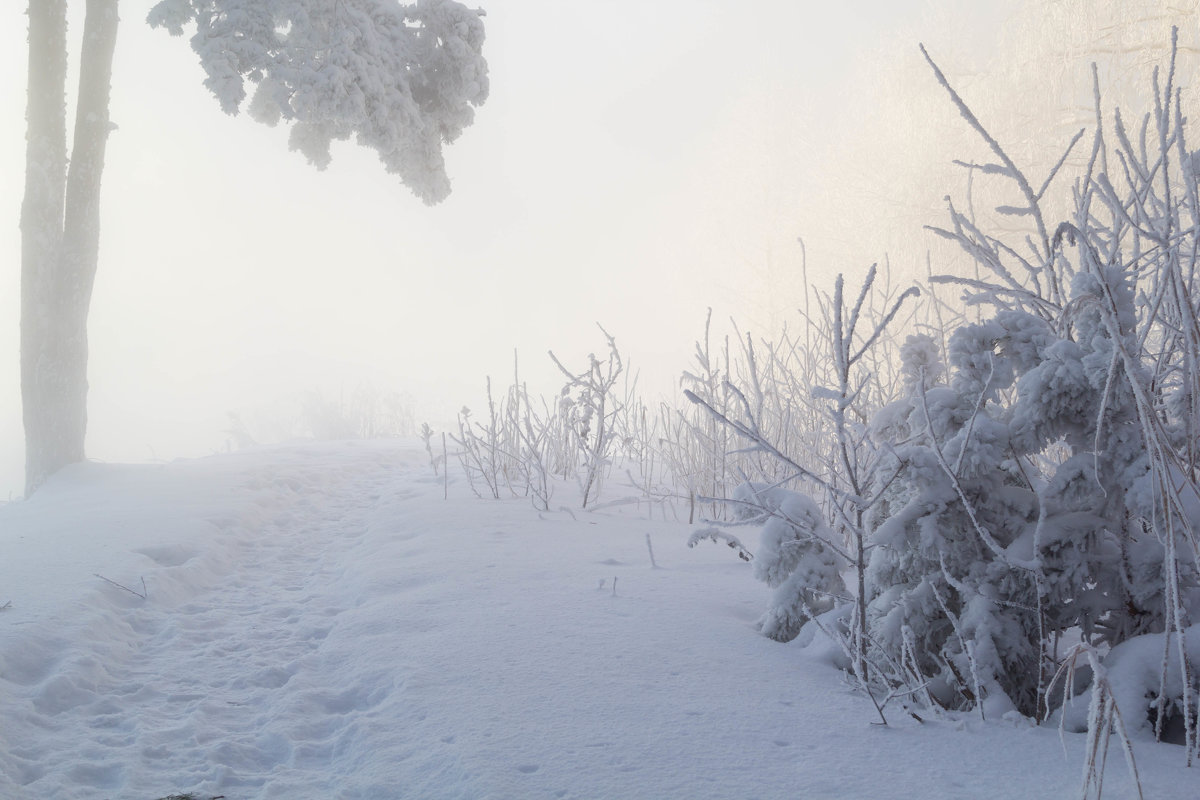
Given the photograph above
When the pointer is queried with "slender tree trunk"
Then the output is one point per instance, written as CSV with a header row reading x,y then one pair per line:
x,y
60,231
41,223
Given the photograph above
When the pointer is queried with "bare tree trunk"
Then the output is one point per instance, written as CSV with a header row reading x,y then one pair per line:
x,y
41,224
60,231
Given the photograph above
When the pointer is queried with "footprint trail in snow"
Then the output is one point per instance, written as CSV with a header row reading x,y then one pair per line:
x,y
263,677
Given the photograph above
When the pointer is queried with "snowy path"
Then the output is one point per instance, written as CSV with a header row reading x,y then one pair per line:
x,y
322,624
237,685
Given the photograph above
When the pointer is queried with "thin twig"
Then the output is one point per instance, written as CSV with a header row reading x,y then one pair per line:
x,y
142,594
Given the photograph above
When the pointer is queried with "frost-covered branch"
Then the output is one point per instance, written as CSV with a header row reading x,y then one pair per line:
x,y
400,79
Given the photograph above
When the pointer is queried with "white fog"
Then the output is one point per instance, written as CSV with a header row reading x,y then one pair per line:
x,y
630,172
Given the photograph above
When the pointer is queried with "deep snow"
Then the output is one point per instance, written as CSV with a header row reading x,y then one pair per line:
x,y
321,623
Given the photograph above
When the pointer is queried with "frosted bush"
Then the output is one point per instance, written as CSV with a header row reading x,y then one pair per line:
x,y
1030,488
795,557
1147,688
1046,491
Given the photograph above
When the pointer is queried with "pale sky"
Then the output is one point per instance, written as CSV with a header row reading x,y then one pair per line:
x,y
630,169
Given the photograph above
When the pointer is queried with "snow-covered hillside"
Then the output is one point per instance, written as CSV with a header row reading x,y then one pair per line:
x,y
320,623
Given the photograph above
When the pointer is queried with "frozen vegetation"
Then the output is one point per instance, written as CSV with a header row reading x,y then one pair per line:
x,y
988,505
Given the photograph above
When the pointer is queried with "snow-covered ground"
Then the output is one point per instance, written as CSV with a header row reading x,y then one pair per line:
x,y
320,623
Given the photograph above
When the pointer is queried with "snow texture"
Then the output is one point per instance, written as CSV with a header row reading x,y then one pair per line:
x,y
320,623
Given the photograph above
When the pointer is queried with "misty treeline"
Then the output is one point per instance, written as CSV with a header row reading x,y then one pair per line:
x,y
361,412
984,491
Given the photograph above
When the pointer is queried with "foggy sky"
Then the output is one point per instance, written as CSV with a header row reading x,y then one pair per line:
x,y
630,170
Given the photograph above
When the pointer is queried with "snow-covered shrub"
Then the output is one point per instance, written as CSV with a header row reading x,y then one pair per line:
x,y
436,460
804,545
796,556
590,406
1146,686
786,389
484,448
697,446
535,444
951,583
1034,478
524,446
1048,484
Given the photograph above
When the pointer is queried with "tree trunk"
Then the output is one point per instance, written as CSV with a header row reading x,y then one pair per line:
x,y
60,232
41,223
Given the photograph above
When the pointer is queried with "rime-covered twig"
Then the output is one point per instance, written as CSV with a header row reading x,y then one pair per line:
x,y
718,535
142,594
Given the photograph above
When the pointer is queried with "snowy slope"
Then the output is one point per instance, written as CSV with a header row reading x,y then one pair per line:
x,y
321,623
